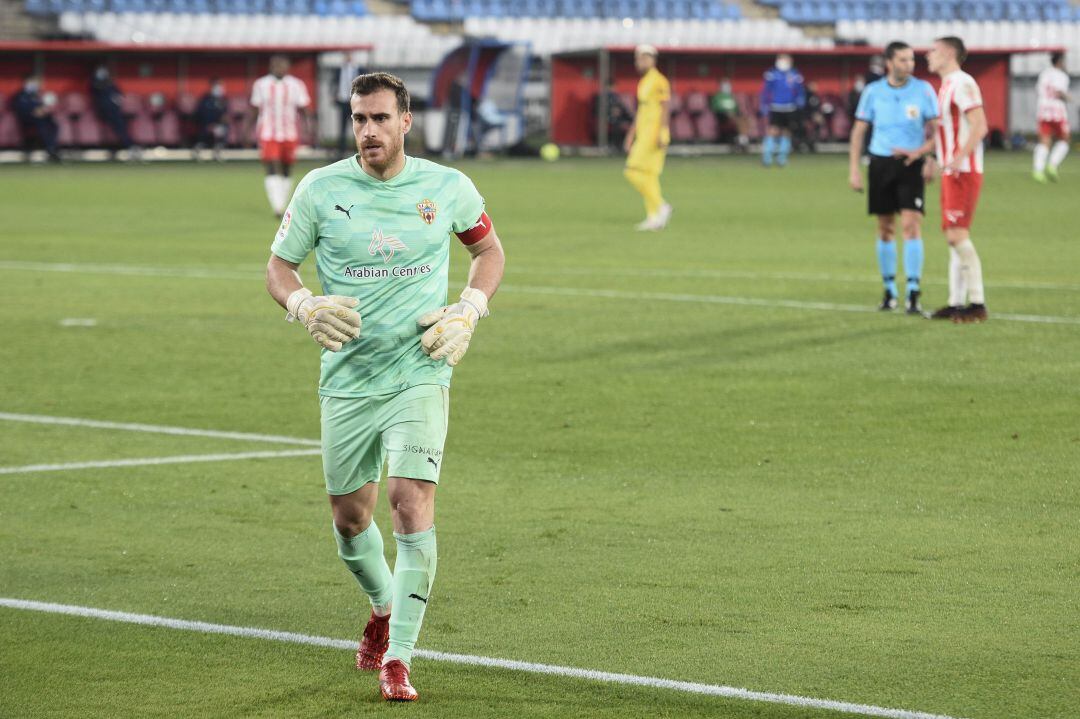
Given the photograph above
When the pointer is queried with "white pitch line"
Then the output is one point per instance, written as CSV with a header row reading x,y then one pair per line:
x,y
554,670
748,301
199,273
720,274
156,429
147,461
210,273
207,273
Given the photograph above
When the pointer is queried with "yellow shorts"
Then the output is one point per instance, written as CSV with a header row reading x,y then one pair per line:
x,y
646,156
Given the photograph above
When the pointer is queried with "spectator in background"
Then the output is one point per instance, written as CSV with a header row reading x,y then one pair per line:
x,y
729,117
619,117
783,95
814,123
875,69
348,72
211,124
107,98
35,117
852,104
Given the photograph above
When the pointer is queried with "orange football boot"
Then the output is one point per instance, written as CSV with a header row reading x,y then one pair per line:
x,y
373,644
394,682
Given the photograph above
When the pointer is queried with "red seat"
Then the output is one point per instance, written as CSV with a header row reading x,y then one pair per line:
x,y
86,131
682,127
675,104
9,129
236,112
142,130
169,129
65,135
74,103
707,127
697,103
132,105
186,103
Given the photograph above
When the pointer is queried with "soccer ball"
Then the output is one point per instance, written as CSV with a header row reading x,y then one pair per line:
x,y
550,152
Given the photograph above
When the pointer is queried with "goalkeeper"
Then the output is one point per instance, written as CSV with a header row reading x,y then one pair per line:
x,y
379,224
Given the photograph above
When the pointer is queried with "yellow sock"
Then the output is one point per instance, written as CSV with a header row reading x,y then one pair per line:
x,y
648,186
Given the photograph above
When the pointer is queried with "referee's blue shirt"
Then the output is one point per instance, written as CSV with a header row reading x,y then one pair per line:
x,y
898,114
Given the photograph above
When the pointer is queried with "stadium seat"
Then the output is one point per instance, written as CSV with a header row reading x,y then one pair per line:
x,y
682,127
706,127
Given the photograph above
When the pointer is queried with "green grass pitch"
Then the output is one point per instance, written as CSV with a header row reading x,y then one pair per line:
x,y
683,455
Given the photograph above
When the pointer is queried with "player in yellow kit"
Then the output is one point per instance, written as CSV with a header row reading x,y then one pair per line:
x,y
646,143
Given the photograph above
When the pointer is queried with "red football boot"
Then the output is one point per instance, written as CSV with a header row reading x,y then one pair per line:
x,y
373,644
394,682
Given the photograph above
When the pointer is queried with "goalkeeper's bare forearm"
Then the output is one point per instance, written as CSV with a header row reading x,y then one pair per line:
x,y
488,261
282,279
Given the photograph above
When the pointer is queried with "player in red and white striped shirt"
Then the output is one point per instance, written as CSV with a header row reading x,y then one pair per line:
x,y
960,153
280,102
1052,113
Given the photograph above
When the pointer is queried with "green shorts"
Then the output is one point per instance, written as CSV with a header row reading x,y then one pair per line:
x,y
405,431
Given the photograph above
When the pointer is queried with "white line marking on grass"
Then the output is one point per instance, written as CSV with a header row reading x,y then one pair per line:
x,y
210,273
748,301
78,322
199,273
753,275
571,672
156,429
206,273
146,461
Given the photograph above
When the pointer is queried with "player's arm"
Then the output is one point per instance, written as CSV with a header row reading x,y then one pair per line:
x,y
250,121
858,137
450,328
663,133
912,156
631,134
330,320
976,118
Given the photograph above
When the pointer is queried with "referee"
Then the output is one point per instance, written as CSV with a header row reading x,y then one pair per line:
x,y
903,111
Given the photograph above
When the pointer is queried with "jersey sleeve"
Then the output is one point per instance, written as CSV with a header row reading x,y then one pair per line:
x,y
967,96
299,227
303,99
865,109
663,89
467,205
257,94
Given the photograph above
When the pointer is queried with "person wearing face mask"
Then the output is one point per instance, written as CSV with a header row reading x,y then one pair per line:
x,y
210,120
35,117
107,98
783,95
730,120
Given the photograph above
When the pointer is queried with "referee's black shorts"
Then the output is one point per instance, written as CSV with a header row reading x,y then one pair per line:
x,y
895,186
784,119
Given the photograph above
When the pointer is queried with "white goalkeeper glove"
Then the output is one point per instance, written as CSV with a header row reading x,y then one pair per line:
x,y
450,328
330,320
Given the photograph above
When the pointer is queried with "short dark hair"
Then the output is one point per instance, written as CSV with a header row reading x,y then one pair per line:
x,y
372,82
1056,57
957,45
894,47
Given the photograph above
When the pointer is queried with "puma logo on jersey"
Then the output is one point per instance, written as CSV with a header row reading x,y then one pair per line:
x,y
433,462
384,246
339,208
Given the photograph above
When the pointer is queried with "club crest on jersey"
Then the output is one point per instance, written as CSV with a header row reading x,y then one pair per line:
x,y
427,210
384,246
912,112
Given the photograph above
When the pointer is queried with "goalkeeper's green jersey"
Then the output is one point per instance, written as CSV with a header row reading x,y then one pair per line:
x,y
386,243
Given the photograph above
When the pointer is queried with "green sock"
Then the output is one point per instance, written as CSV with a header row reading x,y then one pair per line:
x,y
414,573
363,555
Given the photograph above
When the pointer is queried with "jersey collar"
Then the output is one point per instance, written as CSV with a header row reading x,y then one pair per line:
x,y
358,171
